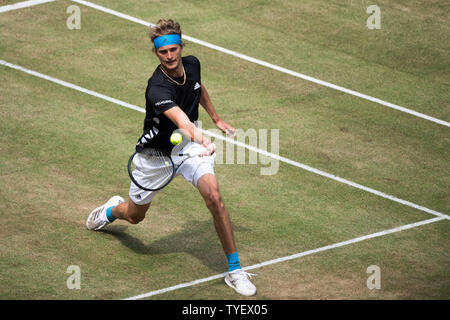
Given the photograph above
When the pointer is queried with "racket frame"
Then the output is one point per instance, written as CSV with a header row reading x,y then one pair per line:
x,y
169,157
130,173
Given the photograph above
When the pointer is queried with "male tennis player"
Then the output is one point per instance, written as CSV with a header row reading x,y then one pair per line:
x,y
172,98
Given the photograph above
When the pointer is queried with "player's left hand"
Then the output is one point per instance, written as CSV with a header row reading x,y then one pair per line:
x,y
226,128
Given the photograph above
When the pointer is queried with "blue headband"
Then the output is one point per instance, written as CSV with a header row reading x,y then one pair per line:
x,y
166,40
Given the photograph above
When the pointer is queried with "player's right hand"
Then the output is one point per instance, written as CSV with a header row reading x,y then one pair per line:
x,y
210,149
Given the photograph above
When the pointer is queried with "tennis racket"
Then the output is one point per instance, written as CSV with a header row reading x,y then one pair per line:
x,y
157,167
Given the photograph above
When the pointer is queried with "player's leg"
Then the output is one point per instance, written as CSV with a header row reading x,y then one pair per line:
x,y
209,189
133,210
130,211
116,208
200,172
236,278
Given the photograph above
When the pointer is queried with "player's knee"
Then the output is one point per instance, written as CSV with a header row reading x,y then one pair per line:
x,y
135,213
135,219
214,199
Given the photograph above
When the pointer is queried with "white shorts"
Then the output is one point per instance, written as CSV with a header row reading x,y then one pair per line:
x,y
192,170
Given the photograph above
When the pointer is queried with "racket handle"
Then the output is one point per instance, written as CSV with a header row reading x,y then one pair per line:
x,y
192,154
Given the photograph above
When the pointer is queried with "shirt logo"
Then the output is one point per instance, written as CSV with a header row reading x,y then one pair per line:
x,y
163,102
197,86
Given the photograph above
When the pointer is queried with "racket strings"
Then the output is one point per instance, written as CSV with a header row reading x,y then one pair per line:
x,y
152,170
167,166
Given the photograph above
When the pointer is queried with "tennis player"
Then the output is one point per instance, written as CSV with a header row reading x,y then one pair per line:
x,y
173,95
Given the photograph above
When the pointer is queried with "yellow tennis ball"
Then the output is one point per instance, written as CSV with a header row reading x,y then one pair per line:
x,y
176,138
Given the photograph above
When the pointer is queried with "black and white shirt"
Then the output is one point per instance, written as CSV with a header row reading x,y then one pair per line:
x,y
161,95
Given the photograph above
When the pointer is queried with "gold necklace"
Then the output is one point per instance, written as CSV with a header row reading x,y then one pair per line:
x,y
173,80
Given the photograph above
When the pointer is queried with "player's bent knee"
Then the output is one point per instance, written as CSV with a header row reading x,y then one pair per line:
x,y
135,217
135,220
136,213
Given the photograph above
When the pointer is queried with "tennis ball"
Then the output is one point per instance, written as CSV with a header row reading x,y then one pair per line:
x,y
176,138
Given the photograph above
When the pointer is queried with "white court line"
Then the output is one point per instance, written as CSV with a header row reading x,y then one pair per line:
x,y
327,175
71,86
294,256
238,143
291,257
23,4
439,215
272,66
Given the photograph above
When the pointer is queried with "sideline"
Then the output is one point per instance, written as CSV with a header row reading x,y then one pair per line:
x,y
272,66
440,216
238,143
291,257
23,4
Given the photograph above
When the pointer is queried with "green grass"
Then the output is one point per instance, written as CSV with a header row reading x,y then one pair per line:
x,y
64,152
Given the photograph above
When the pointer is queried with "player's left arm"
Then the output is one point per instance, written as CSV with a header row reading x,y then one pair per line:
x,y
206,103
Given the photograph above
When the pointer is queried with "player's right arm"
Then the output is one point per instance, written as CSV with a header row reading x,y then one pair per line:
x,y
182,121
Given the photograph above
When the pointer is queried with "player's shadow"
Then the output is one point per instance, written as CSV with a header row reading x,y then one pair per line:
x,y
197,238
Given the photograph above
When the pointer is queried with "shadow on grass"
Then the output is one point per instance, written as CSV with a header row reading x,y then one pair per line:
x,y
197,238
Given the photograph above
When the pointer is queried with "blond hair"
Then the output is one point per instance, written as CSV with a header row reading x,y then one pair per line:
x,y
164,27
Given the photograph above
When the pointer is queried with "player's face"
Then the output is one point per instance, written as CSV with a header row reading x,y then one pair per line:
x,y
170,56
